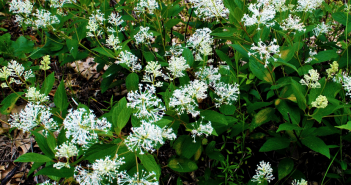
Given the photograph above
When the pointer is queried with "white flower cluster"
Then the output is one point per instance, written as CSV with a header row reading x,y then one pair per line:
x,y
143,36
175,50
201,129
149,107
208,9
60,3
227,93
334,67
185,98
311,57
208,74
293,23
308,5
320,103
299,182
34,96
321,28
263,171
44,19
346,83
177,65
66,150
143,179
265,52
95,23
31,116
82,126
14,70
44,64
48,183
127,58
21,7
151,5
147,137
101,170
201,41
152,71
113,42
262,13
311,80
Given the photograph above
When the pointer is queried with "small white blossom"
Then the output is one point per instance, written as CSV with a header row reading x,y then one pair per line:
x,y
201,41
143,179
107,167
185,98
45,63
34,96
21,7
149,107
261,14
227,93
311,80
143,36
126,57
81,126
48,183
208,9
96,21
293,23
151,5
31,116
320,103
86,177
113,42
60,165
177,65
152,71
115,19
209,74
308,5
311,57
321,28
66,150
60,3
301,182
175,50
265,52
147,137
44,19
334,67
263,171
201,129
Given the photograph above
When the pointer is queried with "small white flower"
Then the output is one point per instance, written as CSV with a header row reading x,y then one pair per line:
x,y
311,80
265,52
209,74
95,23
34,96
143,36
227,93
21,7
147,137
308,5
151,5
208,9
45,63
321,28
82,125
334,67
48,183
262,13
113,42
175,50
149,107
177,65
143,179
31,116
263,171
311,57
126,57
152,71
301,182
60,165
66,150
60,3
201,129
320,103
44,19
201,41
107,167
293,23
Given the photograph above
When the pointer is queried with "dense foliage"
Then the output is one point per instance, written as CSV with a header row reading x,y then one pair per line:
x,y
203,77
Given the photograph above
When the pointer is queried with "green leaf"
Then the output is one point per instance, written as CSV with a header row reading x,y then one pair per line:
x,y
316,144
213,153
172,22
99,151
283,62
9,102
33,157
325,56
177,145
284,108
285,167
287,52
63,172
5,43
188,55
340,17
288,126
182,165
299,93
72,45
121,113
35,166
263,116
189,148
219,123
60,98
104,51
43,144
48,84
132,82
275,143
150,164
22,46
347,126
241,49
260,72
